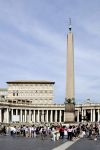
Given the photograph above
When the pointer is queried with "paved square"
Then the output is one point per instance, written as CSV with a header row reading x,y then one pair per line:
x,y
23,143
86,144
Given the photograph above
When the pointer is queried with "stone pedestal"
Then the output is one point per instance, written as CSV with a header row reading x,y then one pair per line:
x,y
69,113
69,107
69,117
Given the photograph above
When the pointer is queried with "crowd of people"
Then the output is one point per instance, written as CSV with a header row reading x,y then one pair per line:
x,y
55,132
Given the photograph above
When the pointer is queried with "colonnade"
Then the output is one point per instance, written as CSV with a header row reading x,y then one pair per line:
x,y
91,115
47,115
8,115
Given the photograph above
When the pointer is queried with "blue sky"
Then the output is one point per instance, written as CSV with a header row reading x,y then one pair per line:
x,y
33,44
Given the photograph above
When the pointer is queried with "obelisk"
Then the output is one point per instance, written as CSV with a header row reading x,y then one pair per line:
x,y
70,98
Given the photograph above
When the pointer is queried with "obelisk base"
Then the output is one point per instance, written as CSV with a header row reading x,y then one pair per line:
x,y
69,117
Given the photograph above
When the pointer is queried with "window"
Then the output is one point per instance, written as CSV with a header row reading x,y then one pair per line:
x,y
2,96
13,93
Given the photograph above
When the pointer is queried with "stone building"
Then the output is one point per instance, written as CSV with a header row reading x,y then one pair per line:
x,y
30,101
33,92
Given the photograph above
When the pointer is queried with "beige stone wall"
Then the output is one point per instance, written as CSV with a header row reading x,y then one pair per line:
x,y
37,93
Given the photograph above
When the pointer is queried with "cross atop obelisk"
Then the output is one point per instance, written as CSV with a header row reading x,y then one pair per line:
x,y
69,99
70,24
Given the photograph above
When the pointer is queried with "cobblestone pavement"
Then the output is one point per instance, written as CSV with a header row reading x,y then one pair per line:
x,y
86,144
22,143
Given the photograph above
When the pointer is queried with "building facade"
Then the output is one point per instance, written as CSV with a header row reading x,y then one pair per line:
x,y
30,102
33,92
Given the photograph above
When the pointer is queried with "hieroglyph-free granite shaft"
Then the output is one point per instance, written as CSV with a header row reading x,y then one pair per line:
x,y
70,98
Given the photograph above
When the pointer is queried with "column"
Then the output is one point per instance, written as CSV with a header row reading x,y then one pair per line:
x,y
7,116
98,115
21,115
16,112
91,115
55,115
84,112
12,115
42,116
47,116
33,115
51,116
29,115
59,115
0,116
25,116
4,119
38,116
78,116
